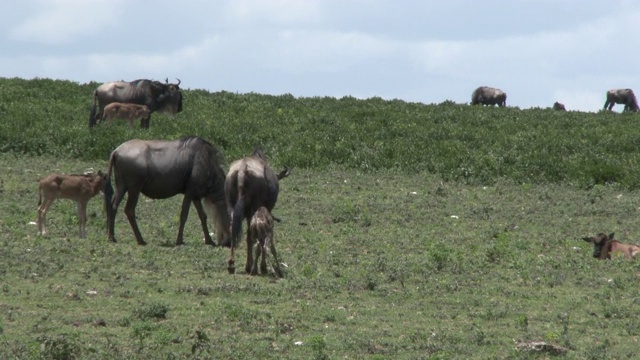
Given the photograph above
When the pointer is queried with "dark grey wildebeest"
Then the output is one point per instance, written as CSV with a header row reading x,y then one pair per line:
x,y
250,184
154,94
621,96
488,96
161,169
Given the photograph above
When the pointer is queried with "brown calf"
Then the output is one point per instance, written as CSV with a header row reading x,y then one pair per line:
x,y
79,188
605,245
129,112
262,237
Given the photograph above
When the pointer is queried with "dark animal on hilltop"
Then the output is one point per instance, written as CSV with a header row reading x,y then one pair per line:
x,y
559,106
154,94
162,169
129,112
488,96
79,188
263,239
250,184
621,96
605,246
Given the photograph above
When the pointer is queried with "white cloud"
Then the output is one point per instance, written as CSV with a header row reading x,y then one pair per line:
x,y
62,21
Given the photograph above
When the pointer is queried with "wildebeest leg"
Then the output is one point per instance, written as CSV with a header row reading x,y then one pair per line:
x,y
111,214
184,214
82,218
203,221
130,211
231,263
42,216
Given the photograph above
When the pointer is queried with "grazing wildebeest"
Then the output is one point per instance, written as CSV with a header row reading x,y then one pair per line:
x,y
161,169
488,96
154,94
250,184
621,96
263,238
559,106
605,246
79,188
129,112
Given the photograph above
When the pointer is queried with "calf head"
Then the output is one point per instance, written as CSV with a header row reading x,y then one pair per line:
x,y
599,241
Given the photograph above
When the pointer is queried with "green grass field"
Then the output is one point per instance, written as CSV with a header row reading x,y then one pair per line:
x,y
409,231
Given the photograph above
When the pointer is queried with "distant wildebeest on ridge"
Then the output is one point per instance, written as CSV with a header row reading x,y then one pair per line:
x,y
162,169
263,239
79,188
559,106
488,96
621,96
154,94
605,246
125,111
250,184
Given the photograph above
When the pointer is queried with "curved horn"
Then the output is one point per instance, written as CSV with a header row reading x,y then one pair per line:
x,y
178,82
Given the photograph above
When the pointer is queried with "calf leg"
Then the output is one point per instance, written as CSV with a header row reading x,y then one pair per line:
x,y
82,219
269,244
42,216
130,211
258,254
249,240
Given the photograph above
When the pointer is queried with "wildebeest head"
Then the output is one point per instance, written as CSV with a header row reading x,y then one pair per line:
x,y
168,96
599,241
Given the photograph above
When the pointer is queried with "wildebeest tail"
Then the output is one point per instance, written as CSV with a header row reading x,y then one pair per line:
x,y
238,210
107,189
92,115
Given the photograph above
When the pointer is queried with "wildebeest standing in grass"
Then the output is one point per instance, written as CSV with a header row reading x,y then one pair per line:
x,y
154,94
263,239
162,169
250,184
605,246
559,106
488,96
621,96
79,188
125,111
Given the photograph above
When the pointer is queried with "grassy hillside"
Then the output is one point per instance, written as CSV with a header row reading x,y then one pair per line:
x,y
457,142
409,231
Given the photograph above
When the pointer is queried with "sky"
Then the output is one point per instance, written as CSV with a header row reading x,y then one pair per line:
x,y
537,51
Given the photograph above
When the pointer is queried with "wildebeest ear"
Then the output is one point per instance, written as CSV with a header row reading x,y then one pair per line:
x,y
100,173
611,236
587,239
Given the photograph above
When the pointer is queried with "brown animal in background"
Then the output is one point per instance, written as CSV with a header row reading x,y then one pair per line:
x,y
605,245
157,96
250,184
262,237
621,96
79,188
129,112
559,106
489,96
